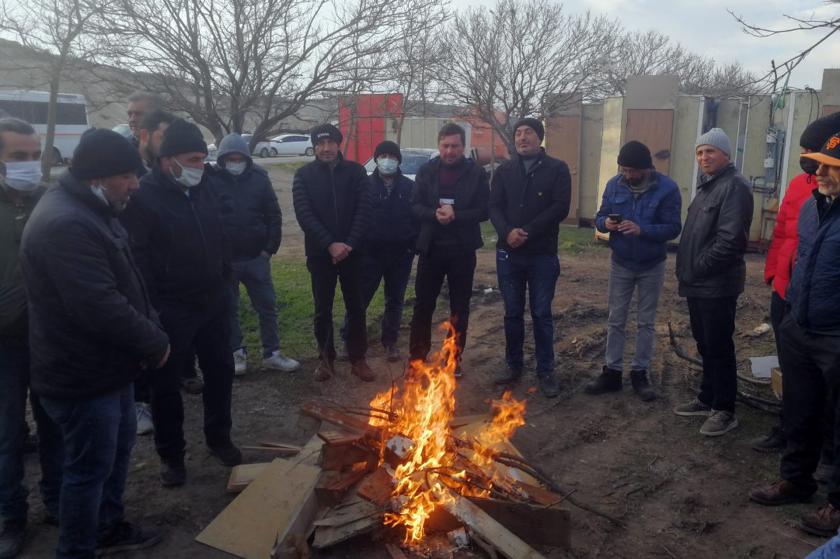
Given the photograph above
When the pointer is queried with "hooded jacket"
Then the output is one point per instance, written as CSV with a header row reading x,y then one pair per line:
x,y
710,257
92,324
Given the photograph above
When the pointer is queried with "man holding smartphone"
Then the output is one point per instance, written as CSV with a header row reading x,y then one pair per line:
x,y
640,210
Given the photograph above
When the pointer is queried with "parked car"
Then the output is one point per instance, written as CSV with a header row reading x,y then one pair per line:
x,y
267,148
412,160
293,144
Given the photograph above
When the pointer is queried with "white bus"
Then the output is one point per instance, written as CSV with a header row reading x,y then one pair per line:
x,y
70,122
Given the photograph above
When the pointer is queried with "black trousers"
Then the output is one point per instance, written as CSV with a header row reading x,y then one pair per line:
x,y
204,332
712,325
811,365
458,268
324,275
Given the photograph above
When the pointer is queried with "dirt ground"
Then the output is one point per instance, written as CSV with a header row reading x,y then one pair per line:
x,y
680,495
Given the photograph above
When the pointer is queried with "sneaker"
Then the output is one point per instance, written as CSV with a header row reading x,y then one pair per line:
x,y
549,385
193,385
511,375
279,362
240,362
11,539
642,386
774,441
392,354
362,370
608,381
228,454
324,370
823,522
127,537
719,423
694,407
780,492
172,473
143,411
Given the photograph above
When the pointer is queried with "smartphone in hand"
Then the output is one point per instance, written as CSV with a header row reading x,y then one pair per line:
x,y
615,217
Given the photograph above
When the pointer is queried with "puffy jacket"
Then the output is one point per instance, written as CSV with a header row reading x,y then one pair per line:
x,y
710,258
813,292
471,196
332,204
92,324
13,216
178,240
657,212
249,209
782,251
392,222
536,201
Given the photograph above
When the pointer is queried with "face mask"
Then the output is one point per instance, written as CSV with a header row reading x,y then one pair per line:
x,y
189,177
236,168
24,176
808,165
387,166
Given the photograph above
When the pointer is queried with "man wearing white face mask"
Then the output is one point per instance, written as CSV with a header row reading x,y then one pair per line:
x,y
252,219
180,245
20,190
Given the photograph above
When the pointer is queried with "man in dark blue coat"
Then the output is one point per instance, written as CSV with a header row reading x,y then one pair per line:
x,y
640,210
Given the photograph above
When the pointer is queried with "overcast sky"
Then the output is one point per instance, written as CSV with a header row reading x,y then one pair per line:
x,y
705,27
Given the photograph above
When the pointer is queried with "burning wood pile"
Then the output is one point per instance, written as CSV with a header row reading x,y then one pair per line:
x,y
406,465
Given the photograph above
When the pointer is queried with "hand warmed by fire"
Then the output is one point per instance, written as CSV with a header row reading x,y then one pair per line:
x,y
431,462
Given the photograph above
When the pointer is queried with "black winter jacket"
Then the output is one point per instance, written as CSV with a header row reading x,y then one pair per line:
x,y
471,196
92,324
392,222
178,240
249,210
536,201
710,257
332,204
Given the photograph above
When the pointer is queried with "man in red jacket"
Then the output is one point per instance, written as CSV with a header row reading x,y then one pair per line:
x,y
782,251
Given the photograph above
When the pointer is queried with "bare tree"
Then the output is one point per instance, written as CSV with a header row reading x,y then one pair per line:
x,y
58,28
228,62
524,57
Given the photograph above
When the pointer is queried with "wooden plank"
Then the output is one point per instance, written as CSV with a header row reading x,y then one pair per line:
x,y
327,536
377,487
334,485
339,436
394,551
508,544
346,513
242,475
331,415
273,508
339,457
310,454
539,495
536,525
276,450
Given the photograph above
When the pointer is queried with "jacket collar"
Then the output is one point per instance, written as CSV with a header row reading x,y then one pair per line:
x,y
519,160
82,192
339,161
653,178
723,171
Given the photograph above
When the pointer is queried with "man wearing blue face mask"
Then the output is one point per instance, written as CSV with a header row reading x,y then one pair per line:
x,y
252,219
20,190
180,246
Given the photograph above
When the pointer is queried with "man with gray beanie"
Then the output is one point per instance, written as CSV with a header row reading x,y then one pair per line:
x,y
252,220
711,272
92,329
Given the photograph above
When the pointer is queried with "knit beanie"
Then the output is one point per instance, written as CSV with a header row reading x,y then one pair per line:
x,y
532,123
232,143
716,138
818,132
324,131
635,155
387,147
182,137
104,153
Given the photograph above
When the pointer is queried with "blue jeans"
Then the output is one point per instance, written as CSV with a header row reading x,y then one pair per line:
x,y
98,434
393,266
14,382
255,275
538,274
623,283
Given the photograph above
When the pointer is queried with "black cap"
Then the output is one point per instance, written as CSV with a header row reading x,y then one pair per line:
x,y
104,153
182,137
324,131
635,155
532,123
817,133
387,147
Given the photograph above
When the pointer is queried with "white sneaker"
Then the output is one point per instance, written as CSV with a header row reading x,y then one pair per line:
x,y
240,362
280,362
144,419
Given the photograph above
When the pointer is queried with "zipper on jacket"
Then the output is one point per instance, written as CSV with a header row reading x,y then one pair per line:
x,y
335,200
200,232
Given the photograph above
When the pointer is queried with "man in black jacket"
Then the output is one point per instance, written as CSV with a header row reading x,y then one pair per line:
x,y
92,329
450,200
253,222
179,243
530,197
332,204
711,273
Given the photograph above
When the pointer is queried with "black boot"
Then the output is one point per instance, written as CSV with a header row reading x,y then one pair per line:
x,y
173,473
642,386
549,385
774,441
511,375
608,381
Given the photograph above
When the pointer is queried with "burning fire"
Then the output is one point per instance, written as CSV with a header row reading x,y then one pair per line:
x,y
430,464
